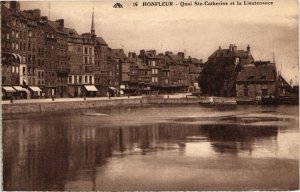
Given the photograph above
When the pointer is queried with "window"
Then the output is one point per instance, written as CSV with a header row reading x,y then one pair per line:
x,y
90,51
17,35
70,79
85,79
75,79
24,70
91,79
264,77
29,33
80,79
90,60
154,71
166,81
13,69
85,60
246,92
85,50
154,79
17,69
264,92
7,35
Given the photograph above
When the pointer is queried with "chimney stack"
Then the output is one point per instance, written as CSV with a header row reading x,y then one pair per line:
x,y
181,54
61,22
248,49
15,6
234,48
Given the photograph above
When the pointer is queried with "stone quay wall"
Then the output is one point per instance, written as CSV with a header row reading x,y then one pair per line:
x,y
39,107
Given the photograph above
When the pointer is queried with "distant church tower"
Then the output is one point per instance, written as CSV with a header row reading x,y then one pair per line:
x,y
93,35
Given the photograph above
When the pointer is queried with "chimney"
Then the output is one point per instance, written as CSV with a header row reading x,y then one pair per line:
x,y
234,48
181,54
219,47
168,53
36,13
248,49
15,6
142,52
152,52
61,22
133,55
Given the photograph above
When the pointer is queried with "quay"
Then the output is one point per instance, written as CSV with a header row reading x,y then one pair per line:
x,y
69,104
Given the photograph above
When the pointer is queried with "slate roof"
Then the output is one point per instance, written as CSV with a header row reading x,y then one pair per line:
x,y
101,41
54,25
259,73
70,31
119,53
228,53
142,65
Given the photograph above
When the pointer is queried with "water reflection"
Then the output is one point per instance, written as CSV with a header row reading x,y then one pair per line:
x,y
46,156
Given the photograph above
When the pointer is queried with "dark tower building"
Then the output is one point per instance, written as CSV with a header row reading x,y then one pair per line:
x,y
220,71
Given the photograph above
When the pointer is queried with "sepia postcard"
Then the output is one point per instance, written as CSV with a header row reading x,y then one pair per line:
x,y
150,95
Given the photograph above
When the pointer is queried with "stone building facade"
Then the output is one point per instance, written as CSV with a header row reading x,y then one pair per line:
x,y
254,82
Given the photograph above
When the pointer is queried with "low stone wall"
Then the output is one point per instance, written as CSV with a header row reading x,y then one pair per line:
x,y
23,108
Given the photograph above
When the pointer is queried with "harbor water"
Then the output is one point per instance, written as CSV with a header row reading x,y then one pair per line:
x,y
155,147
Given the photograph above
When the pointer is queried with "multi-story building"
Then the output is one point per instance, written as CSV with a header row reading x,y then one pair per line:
x,y
254,82
178,80
101,50
222,69
75,61
61,67
129,75
13,49
144,77
34,76
155,62
195,68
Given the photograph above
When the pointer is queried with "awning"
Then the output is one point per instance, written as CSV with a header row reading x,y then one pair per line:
x,y
19,56
9,89
15,55
90,88
19,88
112,88
35,89
25,82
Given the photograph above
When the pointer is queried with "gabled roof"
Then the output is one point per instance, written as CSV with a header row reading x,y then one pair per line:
x,y
142,65
101,41
257,73
228,53
119,53
70,31
54,25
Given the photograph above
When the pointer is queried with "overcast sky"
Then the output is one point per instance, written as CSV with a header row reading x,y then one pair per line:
x,y
197,30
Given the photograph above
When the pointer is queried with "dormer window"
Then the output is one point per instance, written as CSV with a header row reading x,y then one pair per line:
x,y
263,77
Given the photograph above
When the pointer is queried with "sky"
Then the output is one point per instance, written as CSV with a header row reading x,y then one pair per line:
x,y
196,30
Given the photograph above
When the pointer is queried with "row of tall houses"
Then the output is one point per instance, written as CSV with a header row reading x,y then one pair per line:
x,y
44,57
